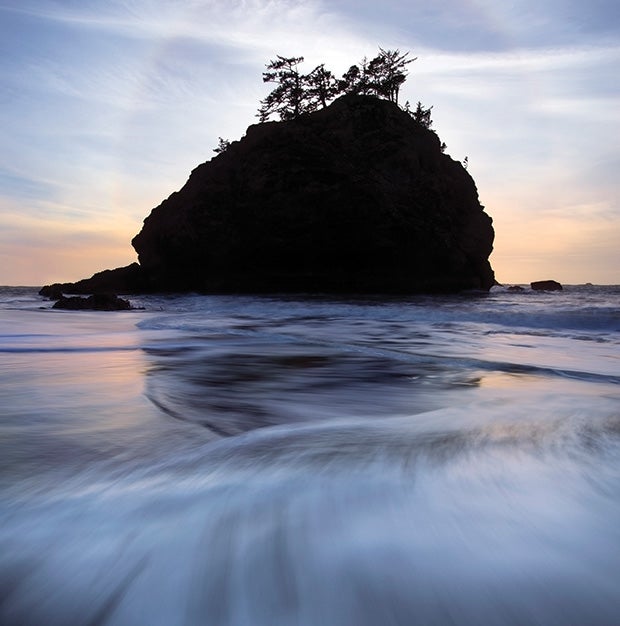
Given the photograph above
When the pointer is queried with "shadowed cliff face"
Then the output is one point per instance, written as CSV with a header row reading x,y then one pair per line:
x,y
355,197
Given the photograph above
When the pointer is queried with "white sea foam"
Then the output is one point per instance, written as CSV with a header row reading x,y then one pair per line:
x,y
290,460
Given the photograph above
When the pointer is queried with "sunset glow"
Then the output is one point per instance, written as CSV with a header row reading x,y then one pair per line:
x,y
108,106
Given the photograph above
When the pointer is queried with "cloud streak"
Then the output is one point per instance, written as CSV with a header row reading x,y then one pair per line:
x,y
107,106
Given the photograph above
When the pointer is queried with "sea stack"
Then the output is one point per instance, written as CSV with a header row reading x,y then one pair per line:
x,y
546,285
357,197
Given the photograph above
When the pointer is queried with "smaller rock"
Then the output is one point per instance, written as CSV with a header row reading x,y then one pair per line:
x,y
96,302
546,285
515,288
52,292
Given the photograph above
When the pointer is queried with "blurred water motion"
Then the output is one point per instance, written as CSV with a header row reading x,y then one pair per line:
x,y
305,463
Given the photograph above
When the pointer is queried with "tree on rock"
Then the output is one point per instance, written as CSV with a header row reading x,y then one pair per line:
x,y
381,76
222,145
350,81
387,72
321,87
421,115
288,99
296,93
358,79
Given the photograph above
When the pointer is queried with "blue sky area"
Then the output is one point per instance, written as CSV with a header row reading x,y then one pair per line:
x,y
106,107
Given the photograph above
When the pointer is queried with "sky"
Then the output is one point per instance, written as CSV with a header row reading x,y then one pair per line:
x,y
107,105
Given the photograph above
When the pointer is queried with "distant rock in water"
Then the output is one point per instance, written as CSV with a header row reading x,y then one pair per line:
x,y
356,197
96,302
546,285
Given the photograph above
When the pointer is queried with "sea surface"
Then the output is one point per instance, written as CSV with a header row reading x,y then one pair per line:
x,y
311,460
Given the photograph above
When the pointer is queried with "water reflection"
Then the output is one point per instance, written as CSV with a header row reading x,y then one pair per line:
x,y
232,385
293,474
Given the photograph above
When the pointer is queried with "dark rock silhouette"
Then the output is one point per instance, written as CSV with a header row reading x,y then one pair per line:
x,y
55,291
546,285
356,197
96,302
129,279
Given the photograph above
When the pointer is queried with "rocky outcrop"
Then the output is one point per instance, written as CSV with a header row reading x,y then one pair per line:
x,y
356,197
129,279
546,285
96,302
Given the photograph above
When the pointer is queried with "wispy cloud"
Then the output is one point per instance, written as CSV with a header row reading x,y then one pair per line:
x,y
521,59
243,24
24,187
107,106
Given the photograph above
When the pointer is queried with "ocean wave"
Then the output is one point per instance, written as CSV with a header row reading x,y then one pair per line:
x,y
339,522
267,461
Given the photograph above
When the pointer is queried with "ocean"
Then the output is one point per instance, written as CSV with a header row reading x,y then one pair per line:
x,y
311,460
